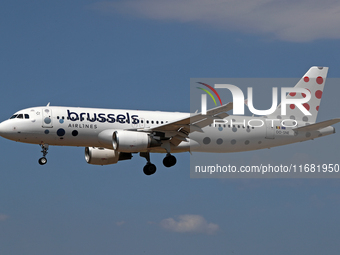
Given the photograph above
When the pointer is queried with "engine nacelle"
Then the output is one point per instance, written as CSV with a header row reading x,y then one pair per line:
x,y
132,141
102,156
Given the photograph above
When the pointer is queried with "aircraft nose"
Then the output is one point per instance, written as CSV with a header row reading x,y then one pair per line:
x,y
5,129
1,128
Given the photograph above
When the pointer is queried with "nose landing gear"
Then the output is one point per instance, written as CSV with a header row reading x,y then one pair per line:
x,y
43,160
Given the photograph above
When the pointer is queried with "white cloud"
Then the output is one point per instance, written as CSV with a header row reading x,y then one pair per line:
x,y
120,223
3,217
189,223
292,20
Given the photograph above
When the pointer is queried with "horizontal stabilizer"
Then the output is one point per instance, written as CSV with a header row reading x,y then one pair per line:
x,y
317,126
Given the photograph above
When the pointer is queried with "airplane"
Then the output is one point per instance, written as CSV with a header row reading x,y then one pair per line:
x,y
112,135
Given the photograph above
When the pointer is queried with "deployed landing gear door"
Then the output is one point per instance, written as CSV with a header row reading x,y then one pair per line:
x,y
47,118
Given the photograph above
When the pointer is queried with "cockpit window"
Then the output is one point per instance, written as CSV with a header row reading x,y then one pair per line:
x,y
20,116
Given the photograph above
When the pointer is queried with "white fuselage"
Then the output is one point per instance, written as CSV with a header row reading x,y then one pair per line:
x,y
70,126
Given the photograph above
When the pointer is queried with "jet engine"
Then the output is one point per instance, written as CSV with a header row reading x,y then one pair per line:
x,y
102,156
127,141
132,141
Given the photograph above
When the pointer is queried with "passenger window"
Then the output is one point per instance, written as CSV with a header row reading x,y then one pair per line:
x,y
20,116
27,116
14,116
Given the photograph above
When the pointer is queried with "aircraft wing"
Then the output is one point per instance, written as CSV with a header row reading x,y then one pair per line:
x,y
317,126
179,130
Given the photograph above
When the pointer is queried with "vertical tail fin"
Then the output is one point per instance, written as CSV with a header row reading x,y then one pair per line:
x,y
314,81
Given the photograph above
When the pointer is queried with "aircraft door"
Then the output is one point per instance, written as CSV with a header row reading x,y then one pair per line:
x,y
47,118
141,122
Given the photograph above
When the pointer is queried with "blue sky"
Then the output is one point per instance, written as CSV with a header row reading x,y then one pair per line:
x,y
141,55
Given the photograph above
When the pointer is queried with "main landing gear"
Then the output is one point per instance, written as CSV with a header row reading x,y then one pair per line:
x,y
169,160
150,168
43,160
